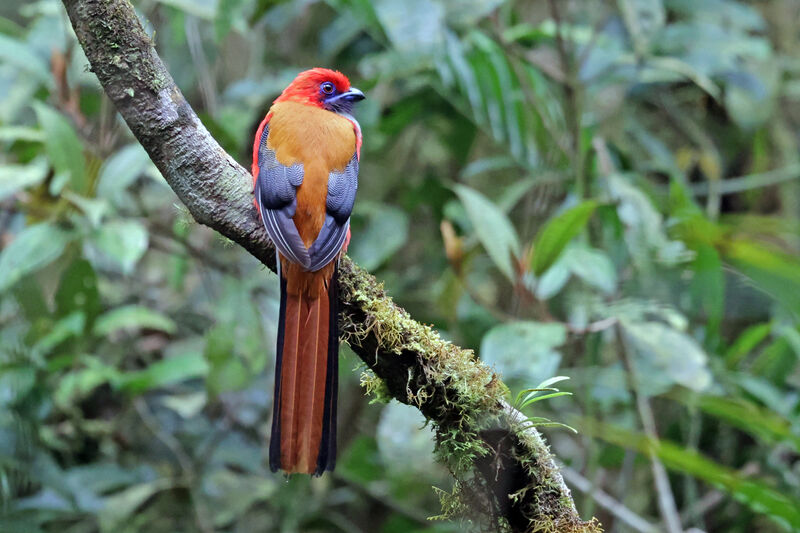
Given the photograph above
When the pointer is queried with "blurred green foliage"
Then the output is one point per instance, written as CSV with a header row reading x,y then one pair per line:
x,y
606,191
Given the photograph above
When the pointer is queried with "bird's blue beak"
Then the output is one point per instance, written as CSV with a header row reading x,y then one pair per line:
x,y
343,103
353,95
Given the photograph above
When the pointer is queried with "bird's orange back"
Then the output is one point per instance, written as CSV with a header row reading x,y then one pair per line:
x,y
323,142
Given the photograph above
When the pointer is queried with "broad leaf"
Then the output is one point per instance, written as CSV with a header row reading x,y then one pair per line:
x,y
591,265
168,371
63,147
643,19
413,26
675,353
227,372
745,343
120,170
405,442
748,417
203,9
77,384
32,248
644,225
132,318
386,232
118,244
758,495
465,12
493,228
14,178
775,272
21,55
119,507
524,350
557,233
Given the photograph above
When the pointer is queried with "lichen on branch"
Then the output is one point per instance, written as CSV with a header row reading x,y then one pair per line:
x,y
502,467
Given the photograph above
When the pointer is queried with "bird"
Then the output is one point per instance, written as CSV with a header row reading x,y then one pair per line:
x,y
306,154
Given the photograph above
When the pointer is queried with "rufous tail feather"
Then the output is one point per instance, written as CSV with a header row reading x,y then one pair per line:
x,y
303,436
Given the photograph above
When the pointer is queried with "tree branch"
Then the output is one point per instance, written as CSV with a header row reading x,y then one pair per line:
x,y
479,436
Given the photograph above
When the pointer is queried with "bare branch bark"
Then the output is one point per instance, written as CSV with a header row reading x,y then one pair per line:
x,y
479,436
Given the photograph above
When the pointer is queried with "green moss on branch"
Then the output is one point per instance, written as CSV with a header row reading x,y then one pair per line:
x,y
465,401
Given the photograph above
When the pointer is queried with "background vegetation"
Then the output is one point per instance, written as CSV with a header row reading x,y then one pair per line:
x,y
602,191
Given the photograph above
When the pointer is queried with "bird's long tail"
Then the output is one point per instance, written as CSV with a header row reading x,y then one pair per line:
x,y
303,436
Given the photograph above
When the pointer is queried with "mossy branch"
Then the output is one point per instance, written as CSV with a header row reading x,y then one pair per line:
x,y
498,462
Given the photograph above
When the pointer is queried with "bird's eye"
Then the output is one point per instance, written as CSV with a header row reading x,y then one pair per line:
x,y
327,87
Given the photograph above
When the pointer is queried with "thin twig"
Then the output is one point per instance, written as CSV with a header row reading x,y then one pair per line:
x,y
607,502
749,181
714,497
666,500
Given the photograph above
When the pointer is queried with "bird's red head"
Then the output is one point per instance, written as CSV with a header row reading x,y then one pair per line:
x,y
321,87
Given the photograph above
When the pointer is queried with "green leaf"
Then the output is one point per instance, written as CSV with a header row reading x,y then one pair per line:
x,y
643,19
750,418
120,170
493,229
504,97
773,271
15,383
168,371
745,343
673,70
413,26
132,318
545,423
30,298
186,405
203,9
119,507
77,384
751,98
532,398
524,350
526,396
551,381
557,233
21,133
226,372
708,289
591,265
94,209
119,244
70,326
644,225
468,12
20,55
756,494
63,147
234,494
405,442
77,291
33,248
671,351
386,232
552,281
16,177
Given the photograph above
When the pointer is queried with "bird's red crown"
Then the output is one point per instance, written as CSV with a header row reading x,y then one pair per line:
x,y
306,86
